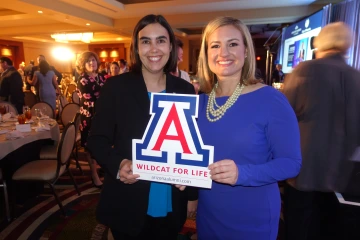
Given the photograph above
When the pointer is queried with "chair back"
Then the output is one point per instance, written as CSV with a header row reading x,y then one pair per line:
x,y
75,97
8,107
45,109
68,113
63,100
66,144
30,99
77,122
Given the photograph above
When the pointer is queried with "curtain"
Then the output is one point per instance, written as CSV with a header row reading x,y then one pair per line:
x,y
349,12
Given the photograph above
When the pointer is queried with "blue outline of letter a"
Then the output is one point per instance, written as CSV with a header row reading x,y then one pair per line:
x,y
200,152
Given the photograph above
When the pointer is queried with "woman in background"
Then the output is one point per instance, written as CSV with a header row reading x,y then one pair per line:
x,y
114,69
89,84
48,86
254,133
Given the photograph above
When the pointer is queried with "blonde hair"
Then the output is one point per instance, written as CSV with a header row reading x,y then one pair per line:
x,y
207,78
334,36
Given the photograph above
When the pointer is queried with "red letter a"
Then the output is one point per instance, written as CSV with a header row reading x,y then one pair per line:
x,y
172,117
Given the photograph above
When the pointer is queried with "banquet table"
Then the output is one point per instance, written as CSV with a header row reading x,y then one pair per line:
x,y
8,146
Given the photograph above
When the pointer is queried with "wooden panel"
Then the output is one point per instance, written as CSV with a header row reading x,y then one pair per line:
x,y
17,51
106,52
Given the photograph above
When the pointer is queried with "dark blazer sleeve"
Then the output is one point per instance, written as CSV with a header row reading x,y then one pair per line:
x,y
102,133
58,74
296,87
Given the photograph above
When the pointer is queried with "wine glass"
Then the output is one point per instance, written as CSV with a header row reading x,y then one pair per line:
x,y
21,119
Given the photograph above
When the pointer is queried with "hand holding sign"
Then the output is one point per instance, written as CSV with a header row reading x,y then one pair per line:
x,y
126,173
224,171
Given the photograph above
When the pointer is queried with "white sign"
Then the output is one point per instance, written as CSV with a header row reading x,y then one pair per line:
x,y
171,150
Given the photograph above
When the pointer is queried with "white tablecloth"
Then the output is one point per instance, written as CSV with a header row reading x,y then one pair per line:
x,y
8,146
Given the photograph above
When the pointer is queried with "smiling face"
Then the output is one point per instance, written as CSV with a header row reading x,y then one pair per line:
x,y
114,69
91,64
154,47
226,52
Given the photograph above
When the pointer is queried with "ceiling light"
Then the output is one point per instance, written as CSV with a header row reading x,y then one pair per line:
x,y
66,37
40,11
88,24
119,39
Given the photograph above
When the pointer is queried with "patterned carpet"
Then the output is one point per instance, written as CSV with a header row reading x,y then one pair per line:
x,y
40,217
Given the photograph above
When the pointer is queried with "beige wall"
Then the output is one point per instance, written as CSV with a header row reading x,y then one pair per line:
x,y
32,50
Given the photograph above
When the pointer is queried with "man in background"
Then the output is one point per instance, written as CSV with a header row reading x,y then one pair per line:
x,y
36,68
11,84
27,72
324,94
278,75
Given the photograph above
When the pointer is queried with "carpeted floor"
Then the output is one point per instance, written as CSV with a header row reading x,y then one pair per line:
x,y
40,217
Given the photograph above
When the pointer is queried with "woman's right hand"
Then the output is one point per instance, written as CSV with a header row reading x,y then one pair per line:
x,y
126,174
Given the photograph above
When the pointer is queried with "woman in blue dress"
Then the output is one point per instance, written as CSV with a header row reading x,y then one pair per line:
x,y
255,136
47,84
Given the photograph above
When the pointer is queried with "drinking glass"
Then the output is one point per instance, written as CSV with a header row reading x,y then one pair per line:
x,y
28,114
2,110
37,113
21,119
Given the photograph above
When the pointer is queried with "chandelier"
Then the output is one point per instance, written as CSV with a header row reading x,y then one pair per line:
x,y
85,37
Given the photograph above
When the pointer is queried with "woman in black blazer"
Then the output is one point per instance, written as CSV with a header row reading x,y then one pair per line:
x,y
122,114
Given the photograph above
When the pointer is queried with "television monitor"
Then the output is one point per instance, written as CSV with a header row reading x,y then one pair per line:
x,y
297,41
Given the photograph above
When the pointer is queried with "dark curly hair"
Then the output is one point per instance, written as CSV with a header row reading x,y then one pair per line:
x,y
44,67
83,58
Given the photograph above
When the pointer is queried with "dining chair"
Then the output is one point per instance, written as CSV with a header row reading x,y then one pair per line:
x,y
75,97
49,171
6,197
30,99
45,109
9,107
68,113
50,151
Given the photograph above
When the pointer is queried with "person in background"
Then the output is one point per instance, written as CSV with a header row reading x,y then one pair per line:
x,y
48,87
88,88
11,84
136,209
114,69
27,72
324,94
254,133
123,66
180,73
278,75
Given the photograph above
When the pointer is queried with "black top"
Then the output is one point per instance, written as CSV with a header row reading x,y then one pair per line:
x,y
324,94
11,88
122,114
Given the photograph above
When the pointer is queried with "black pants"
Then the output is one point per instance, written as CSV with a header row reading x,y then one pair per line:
x,y
319,215
162,228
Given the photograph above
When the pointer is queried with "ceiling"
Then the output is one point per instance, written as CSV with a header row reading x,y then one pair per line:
x,y
113,20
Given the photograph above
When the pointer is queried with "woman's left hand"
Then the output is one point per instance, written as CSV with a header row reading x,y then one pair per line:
x,y
224,171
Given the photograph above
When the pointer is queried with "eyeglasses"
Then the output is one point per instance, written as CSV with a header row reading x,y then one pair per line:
x,y
91,60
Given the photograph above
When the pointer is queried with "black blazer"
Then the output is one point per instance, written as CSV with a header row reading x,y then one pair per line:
x,y
324,94
122,114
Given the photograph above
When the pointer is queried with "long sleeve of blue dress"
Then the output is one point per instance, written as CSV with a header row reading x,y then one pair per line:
x,y
283,136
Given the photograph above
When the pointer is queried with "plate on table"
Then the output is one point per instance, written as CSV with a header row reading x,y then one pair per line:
x,y
11,120
6,124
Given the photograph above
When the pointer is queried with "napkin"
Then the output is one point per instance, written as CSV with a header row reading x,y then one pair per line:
x,y
6,116
44,117
42,127
14,135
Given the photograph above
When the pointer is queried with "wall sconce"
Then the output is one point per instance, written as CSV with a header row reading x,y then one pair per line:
x,y
103,54
6,52
114,54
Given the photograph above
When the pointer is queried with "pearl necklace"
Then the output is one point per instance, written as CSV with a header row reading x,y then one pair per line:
x,y
213,114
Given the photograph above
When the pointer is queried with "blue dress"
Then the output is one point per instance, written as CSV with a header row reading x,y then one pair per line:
x,y
260,133
47,91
